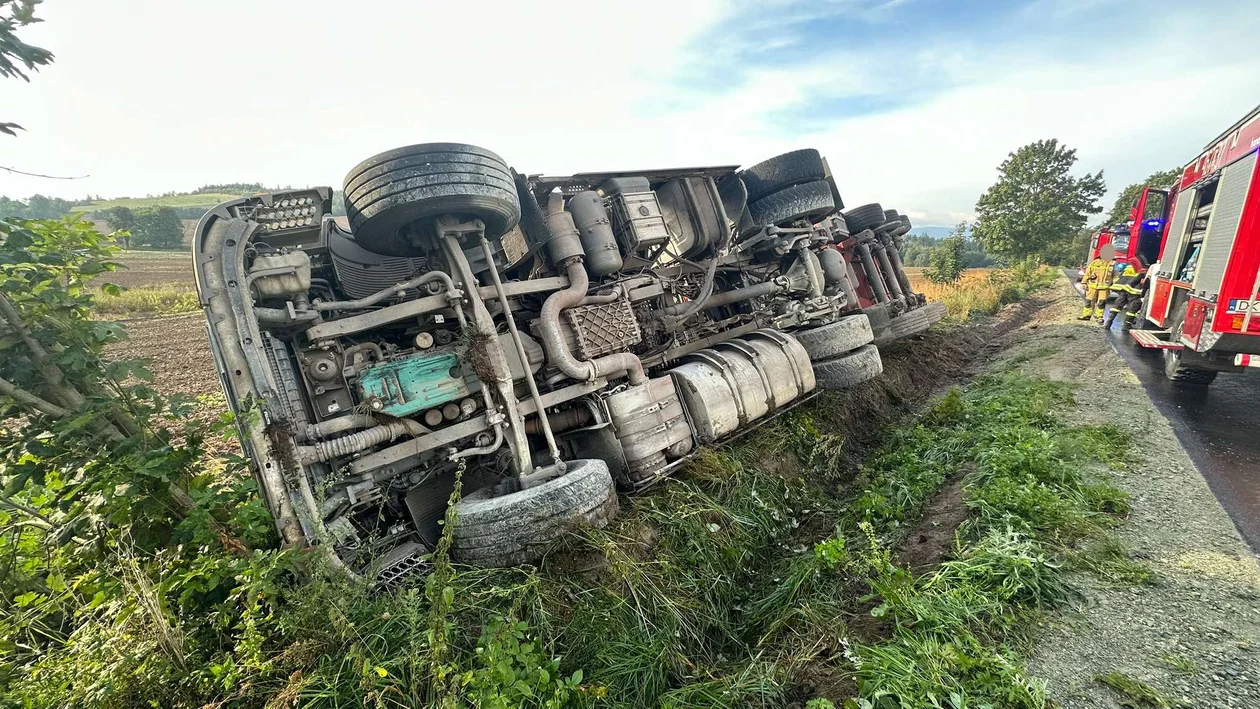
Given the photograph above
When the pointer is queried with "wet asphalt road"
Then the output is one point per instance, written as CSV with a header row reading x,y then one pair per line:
x,y
1218,425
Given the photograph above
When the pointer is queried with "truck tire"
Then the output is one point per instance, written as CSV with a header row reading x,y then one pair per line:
x,y
515,528
396,192
1174,366
850,369
906,220
868,216
811,200
912,322
827,341
783,171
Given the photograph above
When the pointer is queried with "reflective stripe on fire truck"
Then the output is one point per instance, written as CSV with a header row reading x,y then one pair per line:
x,y
1246,360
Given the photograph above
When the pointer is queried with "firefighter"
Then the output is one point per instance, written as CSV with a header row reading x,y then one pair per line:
x,y
1097,282
1129,289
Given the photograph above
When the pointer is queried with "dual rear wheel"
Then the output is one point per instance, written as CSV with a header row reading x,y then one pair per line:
x,y
842,353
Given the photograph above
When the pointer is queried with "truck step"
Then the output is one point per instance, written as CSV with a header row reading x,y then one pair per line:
x,y
1155,339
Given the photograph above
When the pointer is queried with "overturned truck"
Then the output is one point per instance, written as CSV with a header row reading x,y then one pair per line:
x,y
547,341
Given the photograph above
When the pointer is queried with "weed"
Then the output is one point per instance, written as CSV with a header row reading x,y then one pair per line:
x,y
166,299
1135,694
1180,664
1108,559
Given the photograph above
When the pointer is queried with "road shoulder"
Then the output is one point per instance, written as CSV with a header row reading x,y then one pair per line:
x,y
1195,633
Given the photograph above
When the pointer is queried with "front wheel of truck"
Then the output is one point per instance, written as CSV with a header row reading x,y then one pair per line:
x,y
516,528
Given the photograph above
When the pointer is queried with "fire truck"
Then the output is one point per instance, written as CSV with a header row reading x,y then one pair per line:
x,y
1201,238
1101,239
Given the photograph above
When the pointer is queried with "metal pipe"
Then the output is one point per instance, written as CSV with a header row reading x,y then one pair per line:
x,y
872,274
899,269
280,315
558,350
739,295
323,451
392,290
603,298
324,429
520,350
894,286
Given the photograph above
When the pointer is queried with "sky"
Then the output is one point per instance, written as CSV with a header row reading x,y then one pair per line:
x,y
914,102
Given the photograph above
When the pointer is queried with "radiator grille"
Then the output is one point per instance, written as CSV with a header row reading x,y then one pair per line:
x,y
1218,244
1177,231
359,280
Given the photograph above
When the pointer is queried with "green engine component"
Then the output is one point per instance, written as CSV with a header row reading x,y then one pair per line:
x,y
414,384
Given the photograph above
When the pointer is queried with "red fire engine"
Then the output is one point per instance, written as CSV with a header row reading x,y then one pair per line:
x,y
1205,286
1101,239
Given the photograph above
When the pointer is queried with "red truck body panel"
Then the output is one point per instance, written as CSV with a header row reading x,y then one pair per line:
x,y
1238,286
1240,139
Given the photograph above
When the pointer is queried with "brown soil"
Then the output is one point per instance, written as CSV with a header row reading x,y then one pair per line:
x,y
179,357
149,269
932,540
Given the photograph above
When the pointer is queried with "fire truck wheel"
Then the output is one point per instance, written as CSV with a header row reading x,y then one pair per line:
x,y
515,528
847,333
395,193
811,200
868,216
905,220
783,171
851,369
1175,367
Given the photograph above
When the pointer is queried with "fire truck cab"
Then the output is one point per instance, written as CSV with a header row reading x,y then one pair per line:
x,y
1205,286
1101,239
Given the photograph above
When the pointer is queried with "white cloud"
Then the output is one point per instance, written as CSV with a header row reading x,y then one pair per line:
x,y
156,96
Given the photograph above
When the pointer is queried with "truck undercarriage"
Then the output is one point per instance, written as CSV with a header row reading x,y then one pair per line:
x,y
542,341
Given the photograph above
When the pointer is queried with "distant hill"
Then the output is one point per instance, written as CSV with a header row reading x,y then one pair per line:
x,y
202,201
189,205
935,232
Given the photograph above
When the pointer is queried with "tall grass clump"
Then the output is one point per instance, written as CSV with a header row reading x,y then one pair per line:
x,y
166,299
985,291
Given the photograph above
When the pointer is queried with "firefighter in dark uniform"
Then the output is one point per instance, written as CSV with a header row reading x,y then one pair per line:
x,y
1129,289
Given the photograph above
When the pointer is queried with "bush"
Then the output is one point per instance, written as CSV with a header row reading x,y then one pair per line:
x,y
948,258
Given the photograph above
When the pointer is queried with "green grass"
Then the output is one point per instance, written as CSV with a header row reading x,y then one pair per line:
x,y
1135,694
177,201
148,300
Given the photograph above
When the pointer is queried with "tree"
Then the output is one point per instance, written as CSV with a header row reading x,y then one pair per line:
x,y
1036,205
120,218
948,258
17,57
159,228
123,221
1128,196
